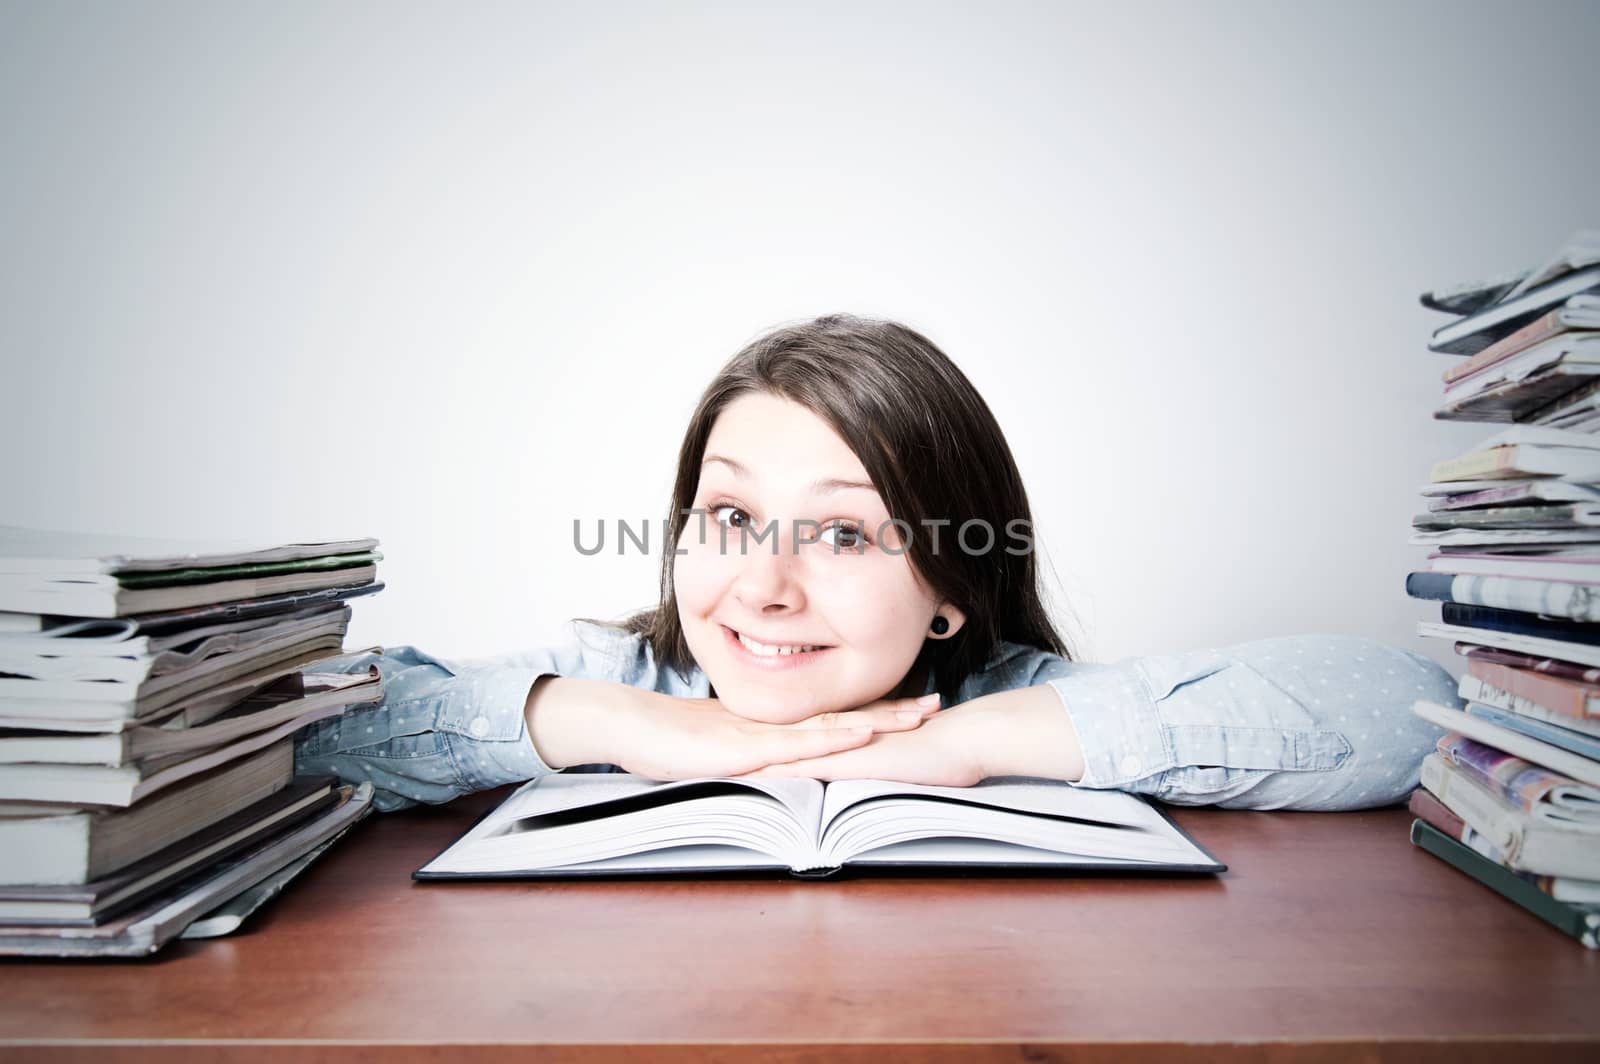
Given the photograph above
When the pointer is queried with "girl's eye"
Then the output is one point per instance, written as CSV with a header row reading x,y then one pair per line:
x,y
717,511
849,537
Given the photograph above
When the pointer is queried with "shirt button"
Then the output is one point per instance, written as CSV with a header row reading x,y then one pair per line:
x,y
1129,766
479,727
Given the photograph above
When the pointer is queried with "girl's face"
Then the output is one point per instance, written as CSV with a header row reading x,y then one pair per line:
x,y
774,469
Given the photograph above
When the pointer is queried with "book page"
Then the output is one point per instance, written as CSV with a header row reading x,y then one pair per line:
x,y
1022,793
580,819
1014,819
564,791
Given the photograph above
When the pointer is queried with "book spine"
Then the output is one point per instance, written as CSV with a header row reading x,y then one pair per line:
x,y
1575,602
1426,807
1494,461
1580,924
1518,623
1434,587
1557,695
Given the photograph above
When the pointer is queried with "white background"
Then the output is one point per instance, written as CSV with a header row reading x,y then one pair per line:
x,y
455,275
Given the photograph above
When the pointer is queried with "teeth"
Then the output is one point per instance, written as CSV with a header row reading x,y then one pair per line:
x,y
771,651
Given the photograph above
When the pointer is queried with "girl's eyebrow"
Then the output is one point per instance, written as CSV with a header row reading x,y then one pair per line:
x,y
825,486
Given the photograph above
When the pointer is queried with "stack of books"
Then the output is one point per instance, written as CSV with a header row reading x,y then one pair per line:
x,y
1511,795
149,694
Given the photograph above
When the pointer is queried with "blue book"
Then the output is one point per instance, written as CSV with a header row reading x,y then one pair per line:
x,y
1520,623
1553,599
1577,742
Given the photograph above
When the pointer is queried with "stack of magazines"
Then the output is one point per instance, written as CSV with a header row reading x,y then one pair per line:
x,y
149,694
1511,796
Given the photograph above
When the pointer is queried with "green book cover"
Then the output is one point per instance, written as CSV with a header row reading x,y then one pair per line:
x,y
174,577
1581,922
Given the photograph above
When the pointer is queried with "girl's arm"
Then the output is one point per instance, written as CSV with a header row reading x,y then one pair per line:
x,y
1306,722
447,728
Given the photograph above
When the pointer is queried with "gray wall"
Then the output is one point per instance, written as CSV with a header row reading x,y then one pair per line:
x,y
454,275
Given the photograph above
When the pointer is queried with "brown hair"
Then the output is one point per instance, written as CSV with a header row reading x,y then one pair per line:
x,y
934,451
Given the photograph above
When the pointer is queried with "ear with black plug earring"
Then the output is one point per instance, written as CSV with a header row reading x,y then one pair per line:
x,y
941,624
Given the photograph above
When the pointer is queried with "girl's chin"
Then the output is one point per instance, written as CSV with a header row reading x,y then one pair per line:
x,y
763,707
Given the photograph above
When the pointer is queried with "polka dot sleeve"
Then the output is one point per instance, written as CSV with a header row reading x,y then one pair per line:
x,y
1300,722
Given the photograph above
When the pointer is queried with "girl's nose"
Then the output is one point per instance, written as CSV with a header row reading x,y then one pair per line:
x,y
766,579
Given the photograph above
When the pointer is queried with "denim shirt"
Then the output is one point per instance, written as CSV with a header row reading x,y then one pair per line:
x,y
1300,722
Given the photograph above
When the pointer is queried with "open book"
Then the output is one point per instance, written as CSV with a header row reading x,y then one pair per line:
x,y
621,824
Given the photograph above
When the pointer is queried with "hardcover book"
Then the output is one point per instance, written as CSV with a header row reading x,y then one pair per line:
x,y
1579,921
1554,598
1572,700
622,824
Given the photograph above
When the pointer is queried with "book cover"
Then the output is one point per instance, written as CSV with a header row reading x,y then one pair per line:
x,y
1565,738
1473,689
1424,806
1557,800
1575,699
1500,620
1580,922
1548,666
1553,598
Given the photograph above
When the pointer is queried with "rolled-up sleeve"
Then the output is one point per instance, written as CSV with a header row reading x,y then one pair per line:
x,y
1303,722
444,728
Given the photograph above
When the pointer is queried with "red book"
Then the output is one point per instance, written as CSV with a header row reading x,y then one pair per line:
x,y
1424,806
1570,698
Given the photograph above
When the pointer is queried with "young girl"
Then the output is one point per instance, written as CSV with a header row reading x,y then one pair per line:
x,y
848,531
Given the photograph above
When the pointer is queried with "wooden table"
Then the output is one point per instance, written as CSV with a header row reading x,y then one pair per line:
x,y
1330,937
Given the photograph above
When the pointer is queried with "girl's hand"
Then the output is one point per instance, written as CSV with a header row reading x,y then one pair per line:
x,y
943,752
1022,732
664,737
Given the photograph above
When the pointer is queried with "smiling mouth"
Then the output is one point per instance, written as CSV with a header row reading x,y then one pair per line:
x,y
769,655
